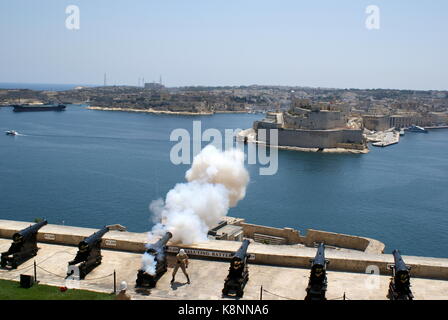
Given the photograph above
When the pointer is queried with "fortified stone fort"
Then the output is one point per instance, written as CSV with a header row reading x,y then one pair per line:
x,y
313,125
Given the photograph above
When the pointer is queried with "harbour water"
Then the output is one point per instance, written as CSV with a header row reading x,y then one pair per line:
x,y
91,168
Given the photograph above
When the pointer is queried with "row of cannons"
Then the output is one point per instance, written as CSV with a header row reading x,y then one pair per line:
x,y
89,256
24,247
399,286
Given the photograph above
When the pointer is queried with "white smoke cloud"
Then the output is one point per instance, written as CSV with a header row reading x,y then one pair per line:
x,y
149,264
217,180
217,167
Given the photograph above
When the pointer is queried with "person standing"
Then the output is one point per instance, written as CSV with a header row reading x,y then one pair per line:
x,y
181,262
122,295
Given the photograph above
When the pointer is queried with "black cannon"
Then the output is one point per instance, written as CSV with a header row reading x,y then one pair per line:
x,y
154,263
400,284
23,247
317,284
88,256
238,272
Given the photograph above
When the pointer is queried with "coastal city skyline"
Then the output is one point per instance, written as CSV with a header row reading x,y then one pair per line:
x,y
296,44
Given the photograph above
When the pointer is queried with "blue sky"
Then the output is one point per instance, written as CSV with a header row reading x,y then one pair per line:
x,y
203,42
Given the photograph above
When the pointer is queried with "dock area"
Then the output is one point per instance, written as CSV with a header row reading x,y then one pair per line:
x,y
383,138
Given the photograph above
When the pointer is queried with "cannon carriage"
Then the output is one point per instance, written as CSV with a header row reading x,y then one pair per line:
x,y
23,247
156,254
88,256
317,283
238,272
400,283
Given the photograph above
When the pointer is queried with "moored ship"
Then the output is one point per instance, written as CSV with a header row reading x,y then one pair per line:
x,y
417,129
41,107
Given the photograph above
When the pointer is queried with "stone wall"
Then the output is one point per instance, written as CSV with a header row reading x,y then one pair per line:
x,y
314,120
312,237
292,236
377,123
314,138
343,241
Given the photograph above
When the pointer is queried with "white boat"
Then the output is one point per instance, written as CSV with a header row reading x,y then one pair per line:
x,y
11,132
417,129
402,132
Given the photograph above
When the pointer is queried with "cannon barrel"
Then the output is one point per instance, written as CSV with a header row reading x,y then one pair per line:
x,y
29,231
400,284
23,247
317,284
90,240
157,250
399,263
242,251
238,272
88,256
319,259
160,243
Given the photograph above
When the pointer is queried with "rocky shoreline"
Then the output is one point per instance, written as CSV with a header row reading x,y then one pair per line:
x,y
184,113
188,113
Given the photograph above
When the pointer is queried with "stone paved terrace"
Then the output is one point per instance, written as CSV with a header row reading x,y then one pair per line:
x,y
207,278
281,255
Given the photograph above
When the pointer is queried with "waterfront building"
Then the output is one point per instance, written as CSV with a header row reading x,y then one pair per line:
x,y
376,123
406,120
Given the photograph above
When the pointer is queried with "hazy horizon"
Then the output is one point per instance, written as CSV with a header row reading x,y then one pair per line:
x,y
210,86
320,44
